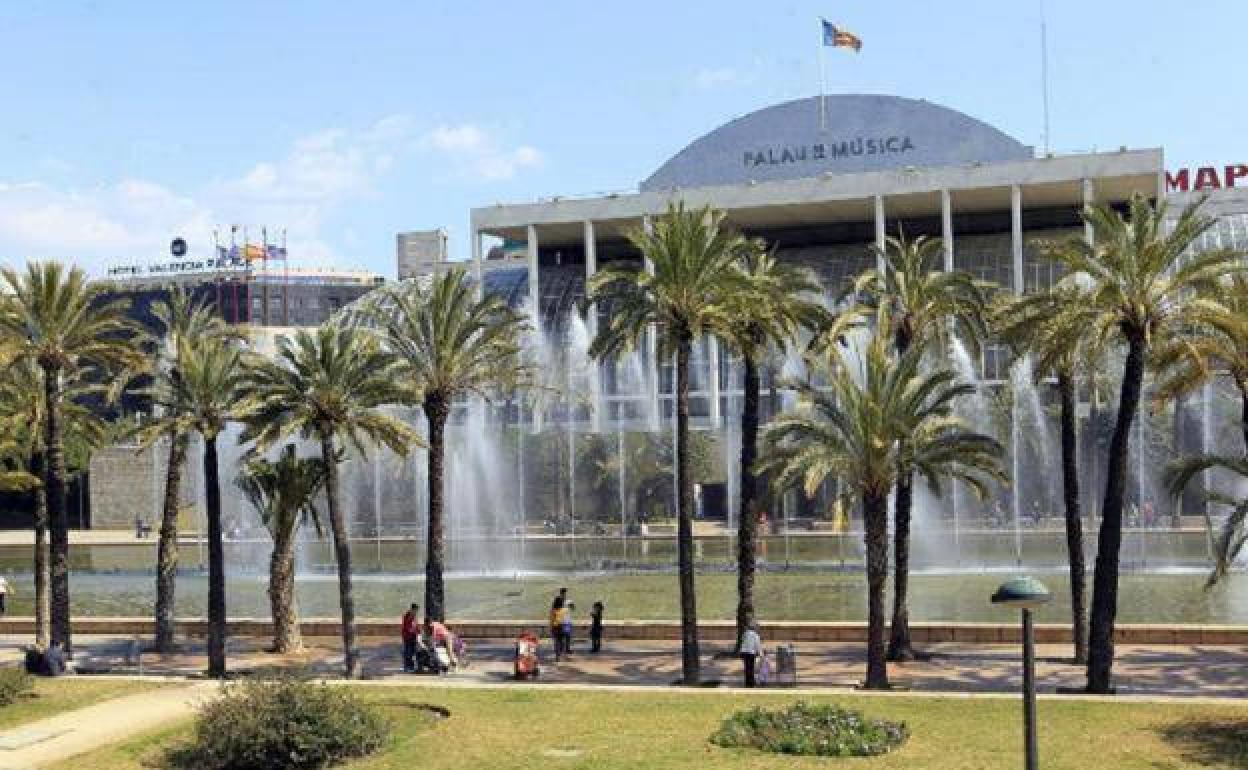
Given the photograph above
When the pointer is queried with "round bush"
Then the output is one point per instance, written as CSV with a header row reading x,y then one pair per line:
x,y
822,730
281,723
14,682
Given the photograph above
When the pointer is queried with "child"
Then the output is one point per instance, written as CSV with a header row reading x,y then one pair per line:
x,y
567,629
595,628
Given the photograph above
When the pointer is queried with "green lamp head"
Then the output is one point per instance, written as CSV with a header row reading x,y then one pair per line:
x,y
1023,593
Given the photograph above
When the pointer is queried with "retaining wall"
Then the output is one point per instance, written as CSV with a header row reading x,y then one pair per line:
x,y
923,633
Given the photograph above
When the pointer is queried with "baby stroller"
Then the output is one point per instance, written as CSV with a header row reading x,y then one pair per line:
x,y
526,660
432,659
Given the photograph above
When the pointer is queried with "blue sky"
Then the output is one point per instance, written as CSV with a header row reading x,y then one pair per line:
x,y
126,123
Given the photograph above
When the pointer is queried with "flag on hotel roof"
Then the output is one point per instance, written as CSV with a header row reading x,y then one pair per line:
x,y
836,37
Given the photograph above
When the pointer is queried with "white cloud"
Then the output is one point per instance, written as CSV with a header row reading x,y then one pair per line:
x,y
476,153
320,175
714,78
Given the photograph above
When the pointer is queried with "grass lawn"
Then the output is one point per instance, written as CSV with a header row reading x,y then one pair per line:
x,y
53,696
521,728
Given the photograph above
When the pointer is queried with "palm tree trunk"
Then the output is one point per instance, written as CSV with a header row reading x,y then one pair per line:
x,y
216,562
1109,543
437,409
167,552
43,575
899,644
875,521
342,555
54,491
747,525
287,637
1243,412
1074,517
690,659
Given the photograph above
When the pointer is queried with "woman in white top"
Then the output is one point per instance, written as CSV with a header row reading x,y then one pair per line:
x,y
4,594
751,651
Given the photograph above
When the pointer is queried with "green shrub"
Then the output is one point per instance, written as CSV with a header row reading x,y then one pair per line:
x,y
281,723
14,682
823,730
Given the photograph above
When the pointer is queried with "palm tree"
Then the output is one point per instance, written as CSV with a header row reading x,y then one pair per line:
x,y
21,421
867,428
1042,326
184,322
283,493
450,345
53,317
1215,344
925,306
1136,283
207,390
685,296
1230,542
327,385
769,316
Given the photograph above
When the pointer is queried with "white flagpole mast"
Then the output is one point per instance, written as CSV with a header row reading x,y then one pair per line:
x,y
1044,74
823,82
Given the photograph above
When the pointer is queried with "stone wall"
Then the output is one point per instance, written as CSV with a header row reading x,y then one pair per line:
x,y
127,482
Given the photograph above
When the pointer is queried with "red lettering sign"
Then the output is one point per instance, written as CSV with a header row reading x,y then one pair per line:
x,y
1205,177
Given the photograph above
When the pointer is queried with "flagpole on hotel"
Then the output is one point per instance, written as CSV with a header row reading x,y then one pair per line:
x,y
823,82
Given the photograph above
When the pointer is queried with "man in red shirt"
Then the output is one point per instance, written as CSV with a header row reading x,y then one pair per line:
x,y
411,637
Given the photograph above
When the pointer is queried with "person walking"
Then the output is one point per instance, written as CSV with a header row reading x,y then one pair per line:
x,y
595,627
4,594
557,611
410,631
567,626
751,650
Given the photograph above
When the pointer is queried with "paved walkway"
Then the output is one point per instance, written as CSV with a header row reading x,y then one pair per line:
x,y
60,737
1148,670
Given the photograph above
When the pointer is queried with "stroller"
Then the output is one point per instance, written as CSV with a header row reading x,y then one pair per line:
x,y
526,660
432,659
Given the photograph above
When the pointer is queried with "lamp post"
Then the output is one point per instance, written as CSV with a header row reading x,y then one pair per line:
x,y
1026,593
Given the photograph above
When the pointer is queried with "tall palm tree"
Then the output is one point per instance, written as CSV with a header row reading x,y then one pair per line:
x,y
926,306
769,316
877,421
54,317
1136,282
1042,326
328,385
207,389
184,322
284,492
1216,344
1229,543
21,421
450,345
685,296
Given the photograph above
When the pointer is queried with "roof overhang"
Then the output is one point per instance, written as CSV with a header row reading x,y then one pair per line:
x,y
830,198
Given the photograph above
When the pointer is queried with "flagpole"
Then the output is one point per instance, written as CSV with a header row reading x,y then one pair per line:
x,y
823,81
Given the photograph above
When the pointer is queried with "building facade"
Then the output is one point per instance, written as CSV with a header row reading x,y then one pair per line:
x,y
824,192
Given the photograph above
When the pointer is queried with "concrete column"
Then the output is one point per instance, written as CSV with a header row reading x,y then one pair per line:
x,y
534,293
712,354
881,229
595,368
1016,236
478,271
652,345
946,228
1089,197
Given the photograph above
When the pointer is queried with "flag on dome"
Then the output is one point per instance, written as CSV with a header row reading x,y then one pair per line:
x,y
836,37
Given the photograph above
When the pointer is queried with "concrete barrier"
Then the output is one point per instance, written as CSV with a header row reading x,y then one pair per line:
x,y
718,631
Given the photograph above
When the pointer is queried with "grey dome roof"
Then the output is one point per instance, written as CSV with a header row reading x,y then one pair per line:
x,y
863,132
